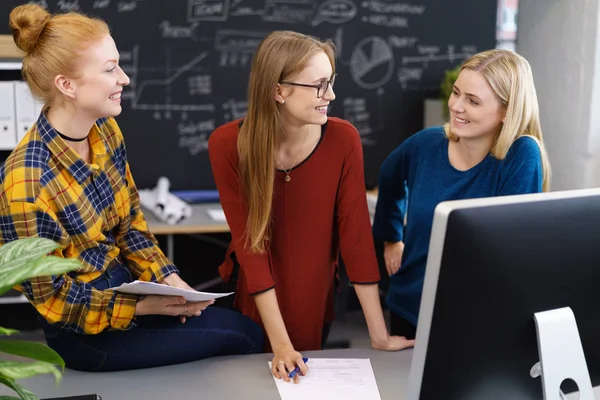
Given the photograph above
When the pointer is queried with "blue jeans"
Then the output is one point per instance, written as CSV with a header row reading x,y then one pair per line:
x,y
156,340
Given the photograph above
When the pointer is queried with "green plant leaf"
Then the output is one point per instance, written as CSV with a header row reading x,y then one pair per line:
x,y
16,272
26,249
450,77
22,370
34,350
7,332
20,390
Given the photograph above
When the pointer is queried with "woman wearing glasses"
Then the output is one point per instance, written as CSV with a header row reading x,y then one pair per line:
x,y
291,183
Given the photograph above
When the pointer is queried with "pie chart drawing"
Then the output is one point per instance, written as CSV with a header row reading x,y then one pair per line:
x,y
372,63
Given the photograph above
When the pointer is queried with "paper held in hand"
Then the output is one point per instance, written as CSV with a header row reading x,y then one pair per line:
x,y
147,288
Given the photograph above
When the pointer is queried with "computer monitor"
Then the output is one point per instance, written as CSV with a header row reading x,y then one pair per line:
x,y
492,264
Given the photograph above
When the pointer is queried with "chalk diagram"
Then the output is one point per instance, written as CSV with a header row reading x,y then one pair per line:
x,y
140,91
372,63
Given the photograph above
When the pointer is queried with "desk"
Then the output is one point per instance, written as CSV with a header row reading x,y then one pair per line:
x,y
221,378
198,223
234,377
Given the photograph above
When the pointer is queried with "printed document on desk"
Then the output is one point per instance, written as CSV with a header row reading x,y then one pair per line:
x,y
332,378
148,288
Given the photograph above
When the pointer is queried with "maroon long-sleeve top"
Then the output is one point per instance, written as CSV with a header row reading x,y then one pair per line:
x,y
320,212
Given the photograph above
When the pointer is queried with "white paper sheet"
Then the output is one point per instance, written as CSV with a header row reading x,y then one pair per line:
x,y
216,214
332,378
148,288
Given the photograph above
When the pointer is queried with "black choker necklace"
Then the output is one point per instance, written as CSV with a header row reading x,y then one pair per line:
x,y
70,139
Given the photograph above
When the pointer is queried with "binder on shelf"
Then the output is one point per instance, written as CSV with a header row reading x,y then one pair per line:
x,y
8,135
27,109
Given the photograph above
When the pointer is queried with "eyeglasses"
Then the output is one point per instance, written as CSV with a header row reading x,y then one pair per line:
x,y
322,87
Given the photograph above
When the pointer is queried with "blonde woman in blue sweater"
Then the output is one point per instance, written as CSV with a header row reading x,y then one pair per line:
x,y
492,146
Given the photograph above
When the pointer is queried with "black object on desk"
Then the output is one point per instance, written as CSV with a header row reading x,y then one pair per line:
x,y
82,397
493,263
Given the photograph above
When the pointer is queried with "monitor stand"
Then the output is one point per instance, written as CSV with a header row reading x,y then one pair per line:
x,y
561,354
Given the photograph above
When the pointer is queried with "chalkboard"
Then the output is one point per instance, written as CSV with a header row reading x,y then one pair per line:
x,y
189,60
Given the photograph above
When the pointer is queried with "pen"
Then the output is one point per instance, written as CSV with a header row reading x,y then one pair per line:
x,y
297,369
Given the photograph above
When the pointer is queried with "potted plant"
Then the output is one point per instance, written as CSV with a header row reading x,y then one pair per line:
x,y
20,260
436,110
446,88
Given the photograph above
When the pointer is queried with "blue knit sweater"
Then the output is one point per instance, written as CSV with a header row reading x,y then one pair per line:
x,y
416,177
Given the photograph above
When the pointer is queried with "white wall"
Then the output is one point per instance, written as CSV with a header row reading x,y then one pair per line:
x,y
561,40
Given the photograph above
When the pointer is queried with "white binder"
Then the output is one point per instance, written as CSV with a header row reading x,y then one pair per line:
x,y
8,135
27,109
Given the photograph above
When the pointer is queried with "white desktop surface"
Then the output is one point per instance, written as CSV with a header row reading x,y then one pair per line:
x,y
221,378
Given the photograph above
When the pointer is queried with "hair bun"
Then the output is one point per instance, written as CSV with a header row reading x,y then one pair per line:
x,y
27,23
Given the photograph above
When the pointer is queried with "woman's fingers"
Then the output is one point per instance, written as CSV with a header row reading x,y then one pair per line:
x,y
281,368
274,369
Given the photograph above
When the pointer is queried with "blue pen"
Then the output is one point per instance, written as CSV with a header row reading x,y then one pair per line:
x,y
297,369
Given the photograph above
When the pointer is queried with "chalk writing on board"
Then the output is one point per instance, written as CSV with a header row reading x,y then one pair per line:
x,y
335,12
207,10
469,49
171,31
289,11
68,5
389,21
406,75
126,6
101,4
200,85
402,42
236,47
386,7
243,8
356,111
390,15
193,136
371,63
234,109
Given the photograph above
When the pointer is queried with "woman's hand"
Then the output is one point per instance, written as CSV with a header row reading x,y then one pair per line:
x,y
285,361
392,343
170,305
175,280
392,255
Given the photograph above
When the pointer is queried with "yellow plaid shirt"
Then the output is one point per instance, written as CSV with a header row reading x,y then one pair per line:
x,y
92,211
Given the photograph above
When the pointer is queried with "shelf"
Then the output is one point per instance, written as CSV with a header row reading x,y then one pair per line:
x,y
10,65
8,48
13,299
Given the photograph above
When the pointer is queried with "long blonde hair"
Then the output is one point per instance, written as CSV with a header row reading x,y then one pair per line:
x,y
51,43
510,77
279,57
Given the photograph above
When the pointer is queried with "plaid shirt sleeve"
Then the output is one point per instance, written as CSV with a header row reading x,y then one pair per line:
x,y
138,245
62,301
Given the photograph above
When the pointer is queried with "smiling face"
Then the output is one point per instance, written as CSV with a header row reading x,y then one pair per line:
x,y
302,106
97,90
475,110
